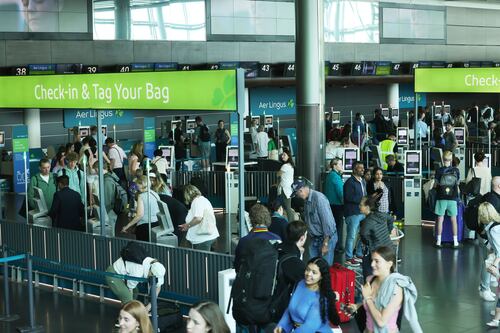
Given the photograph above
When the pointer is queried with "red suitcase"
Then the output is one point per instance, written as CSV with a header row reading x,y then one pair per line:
x,y
343,282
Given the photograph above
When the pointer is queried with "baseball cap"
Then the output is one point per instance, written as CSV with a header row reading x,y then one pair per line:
x,y
299,183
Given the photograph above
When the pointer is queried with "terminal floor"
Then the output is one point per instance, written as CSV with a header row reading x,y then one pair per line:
x,y
446,279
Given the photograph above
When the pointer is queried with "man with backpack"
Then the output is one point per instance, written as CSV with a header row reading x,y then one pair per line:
x,y
203,142
255,262
134,261
115,196
447,180
75,175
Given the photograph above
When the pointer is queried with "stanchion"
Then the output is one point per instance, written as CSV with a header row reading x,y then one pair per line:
x,y
154,304
32,327
7,316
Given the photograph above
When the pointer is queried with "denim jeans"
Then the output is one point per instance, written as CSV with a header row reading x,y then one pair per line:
x,y
352,223
317,244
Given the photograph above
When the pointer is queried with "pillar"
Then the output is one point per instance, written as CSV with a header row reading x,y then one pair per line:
x,y
123,23
310,85
32,120
393,95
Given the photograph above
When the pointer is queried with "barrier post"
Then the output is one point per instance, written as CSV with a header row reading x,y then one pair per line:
x,y
31,302
6,316
154,304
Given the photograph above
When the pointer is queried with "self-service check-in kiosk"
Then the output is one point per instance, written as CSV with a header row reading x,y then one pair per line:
x,y
268,121
412,187
168,153
487,160
335,117
460,150
83,131
403,141
350,156
225,283
190,126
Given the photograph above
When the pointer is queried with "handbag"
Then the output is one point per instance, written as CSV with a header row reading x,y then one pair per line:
x,y
206,226
473,187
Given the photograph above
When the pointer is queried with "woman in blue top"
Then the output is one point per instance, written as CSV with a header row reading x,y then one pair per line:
x,y
312,306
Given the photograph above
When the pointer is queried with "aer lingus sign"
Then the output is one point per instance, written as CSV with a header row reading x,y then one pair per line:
x,y
196,90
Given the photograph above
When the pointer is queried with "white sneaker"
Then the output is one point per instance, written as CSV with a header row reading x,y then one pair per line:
x,y
494,281
493,323
487,296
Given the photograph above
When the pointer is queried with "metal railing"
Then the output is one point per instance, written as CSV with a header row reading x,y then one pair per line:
x,y
190,274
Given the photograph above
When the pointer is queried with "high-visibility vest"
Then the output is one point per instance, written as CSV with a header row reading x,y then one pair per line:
x,y
386,149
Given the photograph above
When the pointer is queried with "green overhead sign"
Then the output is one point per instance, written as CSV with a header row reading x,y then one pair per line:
x,y
457,80
183,90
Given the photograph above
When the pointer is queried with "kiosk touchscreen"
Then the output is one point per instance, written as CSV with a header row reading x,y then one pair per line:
x,y
336,117
351,155
256,119
395,112
403,136
447,108
83,131
437,110
460,135
104,130
487,160
190,126
232,157
268,121
2,139
385,112
168,152
173,124
413,163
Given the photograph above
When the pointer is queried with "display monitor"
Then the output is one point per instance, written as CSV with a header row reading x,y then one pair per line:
x,y
173,124
190,125
336,117
487,160
459,135
447,108
256,119
232,156
350,156
104,130
437,109
403,135
268,121
395,112
2,139
168,152
385,112
83,131
413,163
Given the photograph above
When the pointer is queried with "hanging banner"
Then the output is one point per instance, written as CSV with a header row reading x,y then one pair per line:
x,y
272,101
75,117
182,90
457,80
407,97
20,148
149,136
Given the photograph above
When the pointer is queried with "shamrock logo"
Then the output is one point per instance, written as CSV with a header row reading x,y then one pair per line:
x,y
291,103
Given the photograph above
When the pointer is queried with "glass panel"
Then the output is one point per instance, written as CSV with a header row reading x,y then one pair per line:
x,y
413,23
351,21
154,20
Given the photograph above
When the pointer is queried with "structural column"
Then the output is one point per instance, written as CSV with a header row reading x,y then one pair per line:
x,y
32,120
122,19
310,78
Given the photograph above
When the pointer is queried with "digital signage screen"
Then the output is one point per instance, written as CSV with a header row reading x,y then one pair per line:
x,y
413,163
350,156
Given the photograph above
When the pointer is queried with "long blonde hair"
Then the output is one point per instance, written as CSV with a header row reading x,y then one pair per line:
x,y
137,310
190,192
487,213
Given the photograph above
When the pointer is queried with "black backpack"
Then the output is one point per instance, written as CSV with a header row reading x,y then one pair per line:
x,y
447,187
121,197
471,214
253,294
134,252
204,133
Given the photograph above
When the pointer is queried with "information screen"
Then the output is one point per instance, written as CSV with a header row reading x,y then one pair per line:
x,y
447,108
173,124
269,121
403,136
232,158
167,152
413,165
190,125
437,109
350,156
395,112
256,119
2,138
383,68
336,117
84,131
460,135
385,112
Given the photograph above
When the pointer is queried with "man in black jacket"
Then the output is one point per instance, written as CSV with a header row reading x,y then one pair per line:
x,y
67,207
493,197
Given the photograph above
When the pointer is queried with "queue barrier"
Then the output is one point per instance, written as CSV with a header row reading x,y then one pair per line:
x,y
190,274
